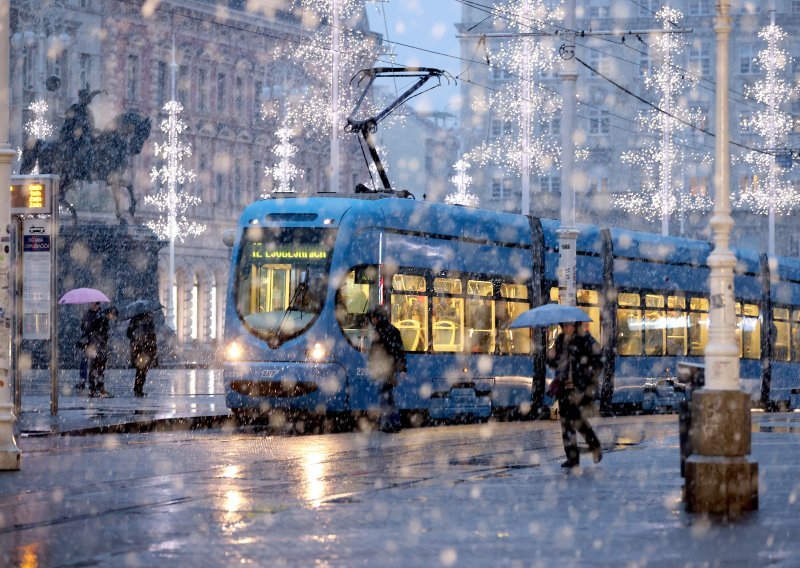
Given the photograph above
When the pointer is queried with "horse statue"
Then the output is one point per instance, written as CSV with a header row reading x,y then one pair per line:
x,y
82,153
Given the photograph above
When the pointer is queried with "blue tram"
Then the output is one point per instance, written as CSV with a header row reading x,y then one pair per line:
x,y
305,272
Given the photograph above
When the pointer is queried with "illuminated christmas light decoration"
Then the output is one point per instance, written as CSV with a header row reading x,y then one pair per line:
x,y
284,172
521,108
172,202
663,194
170,199
335,46
777,196
38,126
462,181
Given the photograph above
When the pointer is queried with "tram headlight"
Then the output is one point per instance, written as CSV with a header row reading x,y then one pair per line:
x,y
233,352
317,352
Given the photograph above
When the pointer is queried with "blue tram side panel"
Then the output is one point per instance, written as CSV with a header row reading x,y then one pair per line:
x,y
315,360
782,389
426,241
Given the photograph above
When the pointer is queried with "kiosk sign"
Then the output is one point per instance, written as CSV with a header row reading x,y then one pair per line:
x,y
36,275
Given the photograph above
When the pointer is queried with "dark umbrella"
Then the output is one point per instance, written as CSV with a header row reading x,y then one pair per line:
x,y
139,307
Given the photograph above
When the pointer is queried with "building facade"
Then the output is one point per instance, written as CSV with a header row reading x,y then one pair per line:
x,y
227,65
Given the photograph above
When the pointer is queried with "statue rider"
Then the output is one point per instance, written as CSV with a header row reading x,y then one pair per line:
x,y
76,138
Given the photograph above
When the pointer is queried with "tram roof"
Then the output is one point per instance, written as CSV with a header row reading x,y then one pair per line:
x,y
393,212
788,268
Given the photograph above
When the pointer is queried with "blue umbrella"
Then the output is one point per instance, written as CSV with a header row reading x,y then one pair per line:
x,y
549,314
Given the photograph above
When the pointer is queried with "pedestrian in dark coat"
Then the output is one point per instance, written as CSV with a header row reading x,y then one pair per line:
x,y
95,327
83,342
577,359
386,359
144,350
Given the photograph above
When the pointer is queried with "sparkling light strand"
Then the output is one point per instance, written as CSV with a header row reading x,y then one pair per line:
x,y
171,202
38,126
520,100
309,109
773,125
284,172
661,194
462,181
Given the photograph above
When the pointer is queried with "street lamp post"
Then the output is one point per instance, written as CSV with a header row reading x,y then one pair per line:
x,y
568,232
10,456
719,477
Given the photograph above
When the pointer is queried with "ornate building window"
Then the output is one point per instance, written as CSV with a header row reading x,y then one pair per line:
x,y
202,90
220,92
132,77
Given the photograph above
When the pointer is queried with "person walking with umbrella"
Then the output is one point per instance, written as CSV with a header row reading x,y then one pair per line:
x,y
83,342
144,350
576,358
95,328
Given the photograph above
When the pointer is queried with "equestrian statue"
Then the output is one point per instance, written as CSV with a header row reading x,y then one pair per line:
x,y
82,153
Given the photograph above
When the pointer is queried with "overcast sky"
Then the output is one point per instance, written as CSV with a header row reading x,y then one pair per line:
x,y
429,24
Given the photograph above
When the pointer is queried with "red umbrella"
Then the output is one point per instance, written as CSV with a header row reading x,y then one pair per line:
x,y
83,296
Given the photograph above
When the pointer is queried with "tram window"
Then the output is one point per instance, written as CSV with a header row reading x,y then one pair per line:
x,y
698,325
588,301
447,324
514,291
353,301
447,285
281,279
750,335
410,310
410,316
655,328
629,324
510,341
408,282
480,317
796,336
781,335
676,325
480,288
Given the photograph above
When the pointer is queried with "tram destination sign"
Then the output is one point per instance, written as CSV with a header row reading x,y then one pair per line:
x,y
32,194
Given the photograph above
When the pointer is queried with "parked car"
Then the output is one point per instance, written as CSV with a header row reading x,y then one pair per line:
x,y
660,397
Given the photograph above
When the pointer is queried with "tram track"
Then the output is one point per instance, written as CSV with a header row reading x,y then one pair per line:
x,y
352,466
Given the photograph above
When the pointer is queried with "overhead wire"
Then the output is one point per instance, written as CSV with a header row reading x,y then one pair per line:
x,y
504,14
470,61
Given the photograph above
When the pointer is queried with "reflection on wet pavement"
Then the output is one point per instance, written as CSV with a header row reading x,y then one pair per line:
x,y
232,496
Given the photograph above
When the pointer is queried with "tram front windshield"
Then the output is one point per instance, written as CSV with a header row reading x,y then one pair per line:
x,y
281,279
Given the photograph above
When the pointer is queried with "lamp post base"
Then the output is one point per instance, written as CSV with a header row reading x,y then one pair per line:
x,y
720,478
722,486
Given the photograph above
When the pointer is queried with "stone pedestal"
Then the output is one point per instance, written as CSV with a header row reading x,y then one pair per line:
x,y
720,479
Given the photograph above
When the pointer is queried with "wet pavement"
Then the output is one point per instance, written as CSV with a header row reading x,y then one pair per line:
x,y
175,398
468,495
